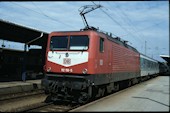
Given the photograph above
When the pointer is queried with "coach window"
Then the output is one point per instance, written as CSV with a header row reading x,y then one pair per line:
x,y
101,44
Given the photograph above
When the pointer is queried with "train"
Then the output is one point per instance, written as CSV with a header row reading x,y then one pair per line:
x,y
164,69
86,64
13,60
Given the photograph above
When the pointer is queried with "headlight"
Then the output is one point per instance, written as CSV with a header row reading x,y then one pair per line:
x,y
48,69
84,71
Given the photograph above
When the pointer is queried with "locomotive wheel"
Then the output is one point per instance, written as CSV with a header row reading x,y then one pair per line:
x,y
139,80
108,89
103,92
99,93
84,97
48,99
117,87
129,83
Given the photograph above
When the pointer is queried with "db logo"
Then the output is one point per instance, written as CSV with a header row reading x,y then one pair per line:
x,y
67,61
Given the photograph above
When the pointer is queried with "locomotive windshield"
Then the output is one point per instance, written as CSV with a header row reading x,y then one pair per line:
x,y
69,43
79,42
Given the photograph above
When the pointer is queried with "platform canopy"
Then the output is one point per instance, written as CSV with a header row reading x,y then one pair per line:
x,y
166,58
17,33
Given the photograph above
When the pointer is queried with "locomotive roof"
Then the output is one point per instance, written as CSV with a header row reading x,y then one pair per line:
x,y
118,41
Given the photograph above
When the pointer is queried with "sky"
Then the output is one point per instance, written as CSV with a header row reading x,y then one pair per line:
x,y
144,24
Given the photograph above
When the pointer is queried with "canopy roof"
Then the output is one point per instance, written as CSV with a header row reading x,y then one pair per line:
x,y
166,58
17,33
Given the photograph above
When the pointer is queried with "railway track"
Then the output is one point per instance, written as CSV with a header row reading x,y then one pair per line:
x,y
50,107
19,95
32,102
15,102
35,102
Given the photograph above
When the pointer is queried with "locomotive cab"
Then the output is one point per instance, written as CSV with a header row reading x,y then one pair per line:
x,y
68,53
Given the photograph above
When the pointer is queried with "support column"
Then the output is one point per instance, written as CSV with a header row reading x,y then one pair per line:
x,y
24,64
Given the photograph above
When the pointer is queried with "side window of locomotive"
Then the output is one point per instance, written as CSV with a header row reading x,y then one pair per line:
x,y
101,44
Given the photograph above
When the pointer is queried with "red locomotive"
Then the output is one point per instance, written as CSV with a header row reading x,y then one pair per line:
x,y
83,64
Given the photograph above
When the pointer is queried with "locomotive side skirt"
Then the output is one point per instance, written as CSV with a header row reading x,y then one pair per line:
x,y
80,82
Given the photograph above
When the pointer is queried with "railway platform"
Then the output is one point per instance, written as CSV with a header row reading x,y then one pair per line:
x,y
151,95
13,87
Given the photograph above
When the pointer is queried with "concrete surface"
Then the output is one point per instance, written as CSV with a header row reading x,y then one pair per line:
x,y
151,95
19,86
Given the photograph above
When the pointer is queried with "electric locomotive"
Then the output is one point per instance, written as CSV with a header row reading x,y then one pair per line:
x,y
84,64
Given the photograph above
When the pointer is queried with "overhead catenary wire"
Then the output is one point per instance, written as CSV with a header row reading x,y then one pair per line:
x,y
134,27
54,19
146,28
130,23
127,19
18,23
121,25
116,22
45,25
